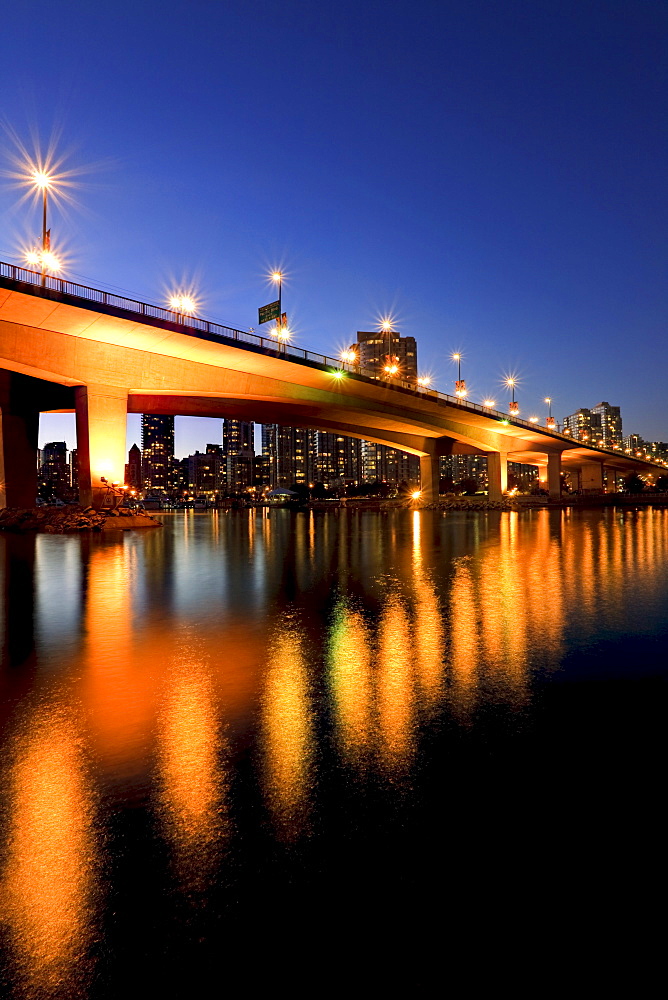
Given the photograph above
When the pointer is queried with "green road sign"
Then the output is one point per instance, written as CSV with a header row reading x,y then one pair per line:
x,y
272,311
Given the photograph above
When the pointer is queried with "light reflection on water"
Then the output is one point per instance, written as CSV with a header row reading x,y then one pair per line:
x,y
231,676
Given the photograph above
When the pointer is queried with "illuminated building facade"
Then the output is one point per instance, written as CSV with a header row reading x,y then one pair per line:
x,y
239,454
602,424
610,423
337,459
54,471
287,451
375,347
157,442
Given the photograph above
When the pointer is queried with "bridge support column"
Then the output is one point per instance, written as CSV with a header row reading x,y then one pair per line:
x,y
19,427
554,475
430,477
591,477
611,476
497,474
101,415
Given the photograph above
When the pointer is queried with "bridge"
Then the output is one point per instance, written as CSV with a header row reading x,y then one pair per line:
x,y
65,347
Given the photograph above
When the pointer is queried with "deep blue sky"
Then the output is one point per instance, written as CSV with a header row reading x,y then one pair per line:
x,y
491,173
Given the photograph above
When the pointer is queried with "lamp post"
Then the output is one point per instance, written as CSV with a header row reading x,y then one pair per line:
x,y
549,423
43,180
281,333
513,407
460,384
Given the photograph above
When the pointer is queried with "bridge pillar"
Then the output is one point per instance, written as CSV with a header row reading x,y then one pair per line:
x,y
19,428
430,477
101,415
611,476
554,475
591,477
497,474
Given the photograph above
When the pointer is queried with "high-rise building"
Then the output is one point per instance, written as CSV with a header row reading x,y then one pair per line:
x,y
239,453
202,473
380,463
54,471
337,459
611,423
133,469
157,442
288,451
583,425
602,424
379,349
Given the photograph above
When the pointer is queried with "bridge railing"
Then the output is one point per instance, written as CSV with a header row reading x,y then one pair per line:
x,y
192,326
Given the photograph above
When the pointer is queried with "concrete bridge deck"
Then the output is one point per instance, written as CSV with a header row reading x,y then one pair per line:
x,y
70,348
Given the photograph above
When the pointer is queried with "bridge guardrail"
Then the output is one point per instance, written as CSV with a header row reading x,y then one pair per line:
x,y
192,325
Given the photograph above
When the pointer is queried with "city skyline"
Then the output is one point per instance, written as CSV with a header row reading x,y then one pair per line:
x,y
491,177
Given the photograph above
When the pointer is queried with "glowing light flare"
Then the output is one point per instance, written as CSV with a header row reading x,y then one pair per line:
x,y
349,355
423,381
533,420
184,303
416,494
44,260
338,373
490,403
41,179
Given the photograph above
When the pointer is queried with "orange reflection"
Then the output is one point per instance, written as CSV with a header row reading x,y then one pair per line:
x,y
428,626
287,735
118,684
395,685
192,787
48,882
464,635
350,680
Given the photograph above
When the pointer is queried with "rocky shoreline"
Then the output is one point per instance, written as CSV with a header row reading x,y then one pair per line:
x,y
61,520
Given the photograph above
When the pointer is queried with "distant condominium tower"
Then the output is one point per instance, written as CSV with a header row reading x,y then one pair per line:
x,y
380,349
383,464
54,471
602,424
239,454
133,468
611,423
157,442
337,459
287,451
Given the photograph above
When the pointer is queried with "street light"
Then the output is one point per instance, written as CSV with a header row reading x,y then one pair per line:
x,y
183,305
550,422
513,407
42,181
460,384
280,331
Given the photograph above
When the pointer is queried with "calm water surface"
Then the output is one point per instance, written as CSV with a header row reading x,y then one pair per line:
x,y
263,747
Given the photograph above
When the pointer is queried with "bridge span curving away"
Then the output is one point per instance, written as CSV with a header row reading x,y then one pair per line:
x,y
66,347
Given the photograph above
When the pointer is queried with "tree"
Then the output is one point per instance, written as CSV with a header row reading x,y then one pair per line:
x,y
469,486
662,484
633,483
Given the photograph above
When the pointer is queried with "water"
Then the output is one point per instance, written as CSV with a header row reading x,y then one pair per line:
x,y
326,751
